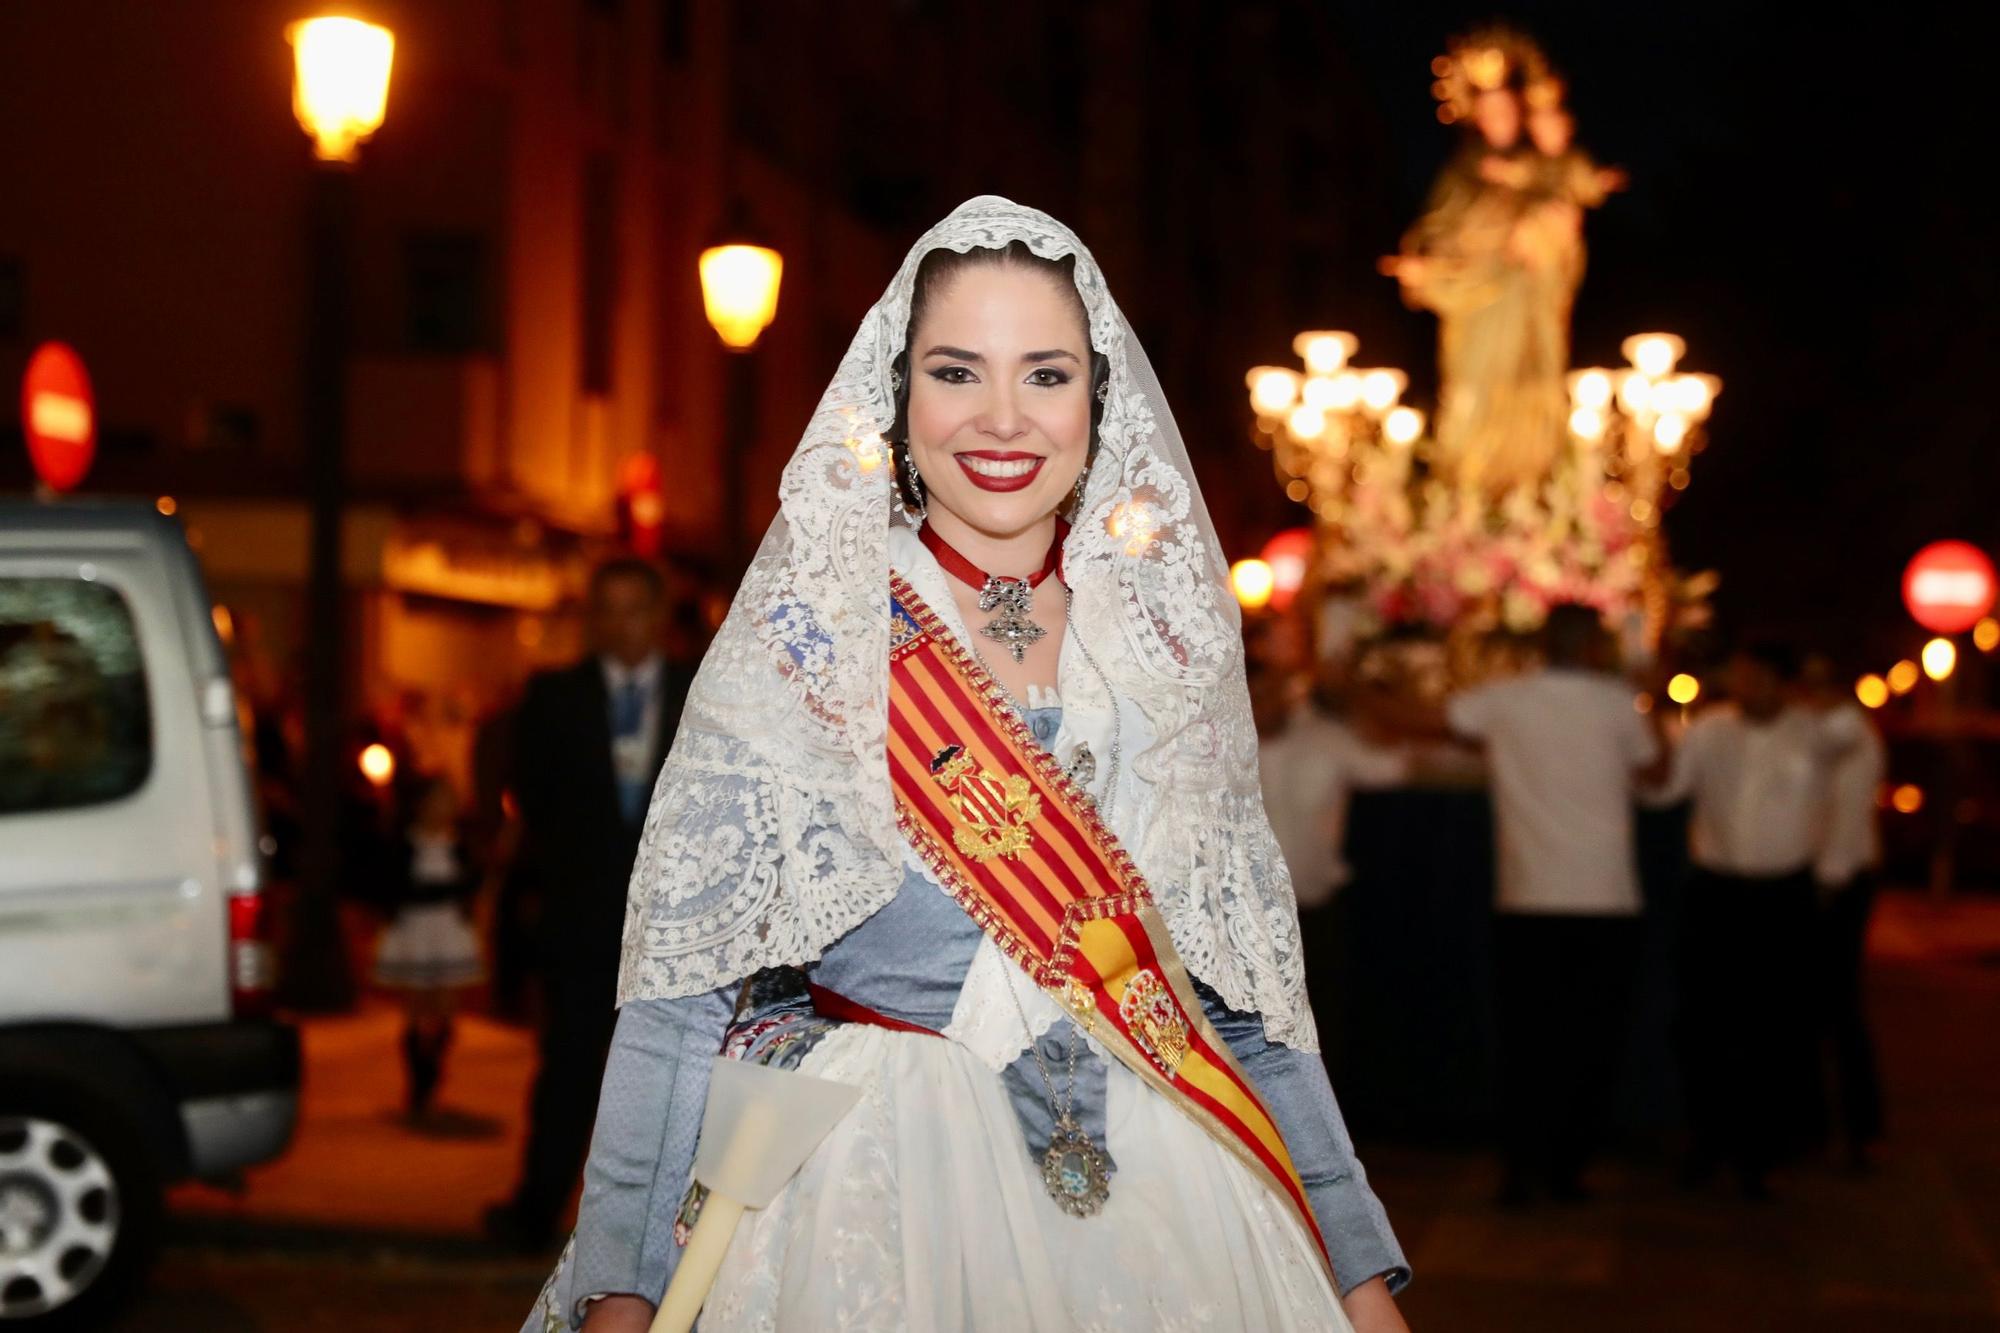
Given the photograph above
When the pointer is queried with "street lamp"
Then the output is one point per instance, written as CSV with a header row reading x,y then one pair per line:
x,y
739,291
340,94
340,89
739,294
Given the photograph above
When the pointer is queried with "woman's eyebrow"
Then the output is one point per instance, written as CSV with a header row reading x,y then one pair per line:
x,y
955,353
1053,354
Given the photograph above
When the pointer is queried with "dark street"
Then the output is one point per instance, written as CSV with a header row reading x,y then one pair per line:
x,y
364,1227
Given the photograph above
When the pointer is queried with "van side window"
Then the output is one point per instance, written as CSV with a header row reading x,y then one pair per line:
x,y
74,725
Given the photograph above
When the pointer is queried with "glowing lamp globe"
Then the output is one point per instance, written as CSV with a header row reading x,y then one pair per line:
x,y
378,764
1381,388
1872,691
1940,659
1653,353
340,85
1590,389
1949,587
739,291
1273,390
1324,352
1403,425
1252,582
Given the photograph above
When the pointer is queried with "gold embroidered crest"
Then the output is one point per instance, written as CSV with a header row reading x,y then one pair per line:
x,y
992,812
1148,1008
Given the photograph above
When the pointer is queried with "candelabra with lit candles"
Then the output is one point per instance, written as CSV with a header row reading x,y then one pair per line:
x,y
1642,425
1414,547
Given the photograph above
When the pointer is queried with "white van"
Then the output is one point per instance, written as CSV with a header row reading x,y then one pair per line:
x,y
135,1043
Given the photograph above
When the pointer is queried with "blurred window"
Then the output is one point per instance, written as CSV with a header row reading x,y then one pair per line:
x,y
74,725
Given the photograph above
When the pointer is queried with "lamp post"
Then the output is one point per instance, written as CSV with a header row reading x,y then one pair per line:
x,y
739,293
340,93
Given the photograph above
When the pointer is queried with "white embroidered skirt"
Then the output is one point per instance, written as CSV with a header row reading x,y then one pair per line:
x,y
923,1211
429,945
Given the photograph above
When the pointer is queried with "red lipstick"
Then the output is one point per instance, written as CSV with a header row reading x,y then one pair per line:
x,y
1014,477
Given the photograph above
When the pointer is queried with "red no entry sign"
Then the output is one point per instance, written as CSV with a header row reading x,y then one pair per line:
x,y
1949,587
58,415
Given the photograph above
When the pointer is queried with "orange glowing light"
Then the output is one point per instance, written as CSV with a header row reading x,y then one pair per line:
x,y
378,764
1872,691
1940,659
1253,583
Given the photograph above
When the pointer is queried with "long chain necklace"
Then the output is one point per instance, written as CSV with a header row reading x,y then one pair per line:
x,y
1012,598
1075,1171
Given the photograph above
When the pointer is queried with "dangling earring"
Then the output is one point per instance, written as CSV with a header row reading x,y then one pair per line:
x,y
910,486
1076,492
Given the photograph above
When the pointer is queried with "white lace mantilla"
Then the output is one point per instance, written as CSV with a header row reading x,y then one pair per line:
x,y
772,829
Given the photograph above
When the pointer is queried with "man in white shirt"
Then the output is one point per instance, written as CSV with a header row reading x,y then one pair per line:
x,y
1850,855
1756,772
1566,746
1309,762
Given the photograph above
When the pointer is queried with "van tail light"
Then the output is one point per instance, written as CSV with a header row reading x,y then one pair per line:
x,y
253,969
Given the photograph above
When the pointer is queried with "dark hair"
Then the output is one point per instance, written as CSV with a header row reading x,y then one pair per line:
x,y
1781,659
1572,632
628,567
935,272
937,269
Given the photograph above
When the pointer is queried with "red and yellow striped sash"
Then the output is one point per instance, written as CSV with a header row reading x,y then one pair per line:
x,y
1025,854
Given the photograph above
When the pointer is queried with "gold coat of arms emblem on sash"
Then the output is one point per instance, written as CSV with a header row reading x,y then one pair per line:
x,y
1157,1026
991,813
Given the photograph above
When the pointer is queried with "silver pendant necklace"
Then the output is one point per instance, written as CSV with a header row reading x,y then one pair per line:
x,y
1012,598
1011,629
1075,1171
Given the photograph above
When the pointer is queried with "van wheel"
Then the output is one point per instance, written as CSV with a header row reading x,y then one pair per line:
x,y
80,1207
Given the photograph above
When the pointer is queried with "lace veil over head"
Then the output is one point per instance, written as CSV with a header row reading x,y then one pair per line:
x,y
772,829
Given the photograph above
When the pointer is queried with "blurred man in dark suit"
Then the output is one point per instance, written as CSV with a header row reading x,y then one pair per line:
x,y
588,743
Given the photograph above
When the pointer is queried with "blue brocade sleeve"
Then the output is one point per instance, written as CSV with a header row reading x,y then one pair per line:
x,y
648,1118
1295,1087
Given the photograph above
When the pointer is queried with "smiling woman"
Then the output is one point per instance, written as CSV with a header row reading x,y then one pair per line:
x,y
1024,896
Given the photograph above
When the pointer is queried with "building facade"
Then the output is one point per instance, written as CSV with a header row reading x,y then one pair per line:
x,y
525,311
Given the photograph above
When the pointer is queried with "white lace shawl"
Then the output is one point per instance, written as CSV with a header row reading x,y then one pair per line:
x,y
772,829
